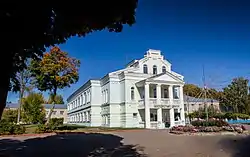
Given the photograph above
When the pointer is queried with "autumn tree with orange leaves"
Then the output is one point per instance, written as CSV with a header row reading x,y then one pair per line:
x,y
56,70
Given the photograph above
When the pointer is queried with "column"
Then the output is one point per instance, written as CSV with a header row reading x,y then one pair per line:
x,y
87,116
147,108
81,117
158,93
182,112
171,112
159,116
170,89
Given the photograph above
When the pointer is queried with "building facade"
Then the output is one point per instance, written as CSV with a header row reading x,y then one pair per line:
x,y
145,94
192,104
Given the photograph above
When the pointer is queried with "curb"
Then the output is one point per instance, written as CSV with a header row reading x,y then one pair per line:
x,y
25,135
67,133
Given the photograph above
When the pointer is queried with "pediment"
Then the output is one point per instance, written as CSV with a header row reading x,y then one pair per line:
x,y
168,77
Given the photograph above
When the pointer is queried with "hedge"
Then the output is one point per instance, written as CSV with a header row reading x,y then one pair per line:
x,y
218,123
228,115
10,128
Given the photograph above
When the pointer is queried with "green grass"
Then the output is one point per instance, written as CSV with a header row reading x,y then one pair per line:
x,y
70,127
30,128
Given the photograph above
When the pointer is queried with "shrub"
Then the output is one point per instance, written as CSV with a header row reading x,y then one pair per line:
x,y
56,121
9,128
42,128
10,115
54,124
242,116
218,123
219,116
234,116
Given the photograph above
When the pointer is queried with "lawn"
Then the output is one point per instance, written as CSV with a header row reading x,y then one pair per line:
x,y
77,128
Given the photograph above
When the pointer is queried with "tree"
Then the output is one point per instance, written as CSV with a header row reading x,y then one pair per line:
x,y
55,71
195,91
58,99
33,111
22,85
192,90
10,115
28,30
235,96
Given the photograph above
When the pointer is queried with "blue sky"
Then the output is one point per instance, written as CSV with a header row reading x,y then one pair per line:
x,y
190,33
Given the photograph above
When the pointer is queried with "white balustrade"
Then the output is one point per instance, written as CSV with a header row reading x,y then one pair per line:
x,y
165,101
176,101
153,101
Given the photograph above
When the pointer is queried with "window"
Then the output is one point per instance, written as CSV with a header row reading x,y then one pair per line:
x,y
145,69
107,96
177,115
163,69
132,93
54,112
154,69
176,93
153,117
82,99
134,115
185,107
155,93
165,93
61,112
85,97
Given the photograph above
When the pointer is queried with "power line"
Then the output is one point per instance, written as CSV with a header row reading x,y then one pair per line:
x,y
205,92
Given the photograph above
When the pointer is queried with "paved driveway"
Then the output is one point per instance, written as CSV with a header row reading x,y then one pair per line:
x,y
152,143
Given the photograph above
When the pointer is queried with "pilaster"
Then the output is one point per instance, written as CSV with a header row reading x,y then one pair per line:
x,y
146,103
171,113
159,116
158,93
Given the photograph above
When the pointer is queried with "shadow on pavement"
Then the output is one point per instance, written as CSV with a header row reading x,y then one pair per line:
x,y
72,145
237,146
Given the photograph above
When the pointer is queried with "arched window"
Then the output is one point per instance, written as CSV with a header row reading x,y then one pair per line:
x,y
163,69
132,93
145,69
154,69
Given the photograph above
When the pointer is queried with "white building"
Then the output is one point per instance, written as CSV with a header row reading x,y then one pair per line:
x,y
146,93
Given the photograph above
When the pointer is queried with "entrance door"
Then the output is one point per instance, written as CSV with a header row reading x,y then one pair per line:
x,y
165,118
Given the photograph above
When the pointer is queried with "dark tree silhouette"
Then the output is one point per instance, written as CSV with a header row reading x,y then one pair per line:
x,y
27,29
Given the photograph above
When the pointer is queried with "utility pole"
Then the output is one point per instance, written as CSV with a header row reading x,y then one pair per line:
x,y
205,93
188,106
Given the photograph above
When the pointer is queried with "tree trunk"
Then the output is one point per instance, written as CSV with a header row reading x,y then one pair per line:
x,y
53,106
4,86
20,105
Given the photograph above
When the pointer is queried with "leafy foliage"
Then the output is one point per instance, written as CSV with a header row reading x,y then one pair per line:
x,y
54,24
191,90
9,128
218,123
33,111
235,96
55,71
54,124
10,115
57,100
195,91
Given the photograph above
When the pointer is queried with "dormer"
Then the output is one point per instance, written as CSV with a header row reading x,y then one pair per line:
x,y
155,54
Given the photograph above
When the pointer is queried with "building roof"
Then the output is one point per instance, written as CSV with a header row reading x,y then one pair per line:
x,y
46,106
193,99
